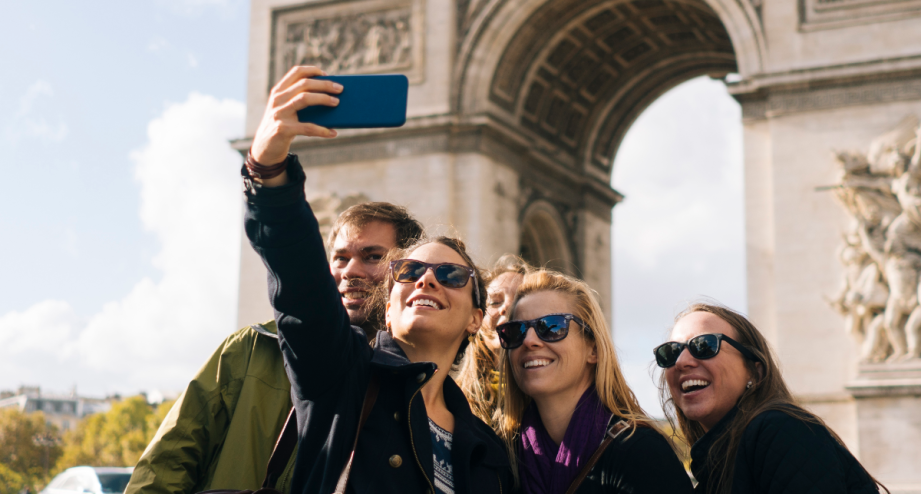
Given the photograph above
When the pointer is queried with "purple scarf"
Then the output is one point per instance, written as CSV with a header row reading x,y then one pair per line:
x,y
546,468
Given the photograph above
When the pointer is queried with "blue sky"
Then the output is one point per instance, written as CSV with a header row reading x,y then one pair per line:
x,y
116,276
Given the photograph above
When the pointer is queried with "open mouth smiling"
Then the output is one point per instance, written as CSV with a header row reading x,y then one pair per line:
x,y
692,385
424,303
536,363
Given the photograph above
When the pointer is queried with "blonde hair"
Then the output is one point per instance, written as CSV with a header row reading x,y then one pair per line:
x,y
609,381
475,375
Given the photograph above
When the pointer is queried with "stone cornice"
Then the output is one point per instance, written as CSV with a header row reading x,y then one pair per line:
x,y
447,134
818,90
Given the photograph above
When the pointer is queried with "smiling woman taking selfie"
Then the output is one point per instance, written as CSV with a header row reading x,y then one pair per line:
x,y
567,402
723,390
414,428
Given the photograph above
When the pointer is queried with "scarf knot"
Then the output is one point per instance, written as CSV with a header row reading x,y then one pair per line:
x,y
548,468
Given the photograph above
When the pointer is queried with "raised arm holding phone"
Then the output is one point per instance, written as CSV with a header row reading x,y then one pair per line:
x,y
420,435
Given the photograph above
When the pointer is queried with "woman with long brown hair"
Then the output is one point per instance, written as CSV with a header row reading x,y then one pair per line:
x,y
726,395
566,400
479,375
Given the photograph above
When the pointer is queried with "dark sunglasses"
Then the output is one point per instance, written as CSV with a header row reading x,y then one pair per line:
x,y
447,274
550,328
701,347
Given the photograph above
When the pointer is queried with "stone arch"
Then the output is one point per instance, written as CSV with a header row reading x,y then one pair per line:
x,y
572,76
544,241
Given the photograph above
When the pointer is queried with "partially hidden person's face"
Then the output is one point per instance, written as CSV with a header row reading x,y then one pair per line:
x,y
706,390
429,313
547,369
499,297
356,263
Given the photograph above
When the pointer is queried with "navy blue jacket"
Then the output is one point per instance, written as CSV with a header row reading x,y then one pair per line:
x,y
780,453
329,364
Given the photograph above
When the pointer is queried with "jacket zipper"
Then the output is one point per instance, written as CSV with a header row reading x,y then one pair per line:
x,y
412,443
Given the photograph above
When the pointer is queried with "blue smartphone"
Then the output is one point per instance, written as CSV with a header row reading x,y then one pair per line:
x,y
366,101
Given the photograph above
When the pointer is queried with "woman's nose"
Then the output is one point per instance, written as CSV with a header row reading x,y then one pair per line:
x,y
427,278
685,359
531,340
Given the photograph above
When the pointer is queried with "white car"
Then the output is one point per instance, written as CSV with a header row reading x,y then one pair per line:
x,y
90,480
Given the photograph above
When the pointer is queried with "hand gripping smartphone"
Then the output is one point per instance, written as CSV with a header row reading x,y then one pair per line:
x,y
366,101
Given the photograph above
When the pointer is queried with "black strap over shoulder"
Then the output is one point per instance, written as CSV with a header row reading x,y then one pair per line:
x,y
609,438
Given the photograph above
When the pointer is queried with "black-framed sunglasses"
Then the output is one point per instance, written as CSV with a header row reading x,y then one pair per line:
x,y
550,328
449,275
701,347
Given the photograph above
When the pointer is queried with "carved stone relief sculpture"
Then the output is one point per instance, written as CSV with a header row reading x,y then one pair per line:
x,y
363,38
879,299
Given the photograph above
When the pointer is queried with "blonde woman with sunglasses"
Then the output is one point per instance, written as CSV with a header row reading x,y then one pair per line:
x,y
566,399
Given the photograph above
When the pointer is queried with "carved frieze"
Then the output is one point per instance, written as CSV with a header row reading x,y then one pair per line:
x,y
363,37
829,14
881,253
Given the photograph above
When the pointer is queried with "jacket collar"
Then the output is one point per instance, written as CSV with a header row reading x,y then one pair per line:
x,y
700,452
475,440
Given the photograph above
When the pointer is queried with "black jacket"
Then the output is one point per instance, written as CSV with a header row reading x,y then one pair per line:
x,y
782,454
329,364
644,463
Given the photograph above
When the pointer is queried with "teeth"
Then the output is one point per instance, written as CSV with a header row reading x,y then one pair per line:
x,y
428,302
693,382
536,363
355,295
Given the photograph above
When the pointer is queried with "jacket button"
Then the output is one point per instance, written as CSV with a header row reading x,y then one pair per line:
x,y
396,461
396,416
420,377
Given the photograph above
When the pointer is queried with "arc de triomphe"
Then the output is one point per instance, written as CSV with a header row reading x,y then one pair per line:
x,y
517,108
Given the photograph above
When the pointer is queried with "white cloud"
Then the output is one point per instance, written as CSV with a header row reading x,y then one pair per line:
x,y
679,234
159,333
193,62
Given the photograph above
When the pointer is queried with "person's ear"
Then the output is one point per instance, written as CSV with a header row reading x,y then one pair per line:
x,y
760,369
476,320
593,356
387,316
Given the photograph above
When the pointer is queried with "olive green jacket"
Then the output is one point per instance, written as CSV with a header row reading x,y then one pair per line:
x,y
220,433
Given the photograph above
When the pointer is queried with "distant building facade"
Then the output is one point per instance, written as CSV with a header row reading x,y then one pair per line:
x,y
63,411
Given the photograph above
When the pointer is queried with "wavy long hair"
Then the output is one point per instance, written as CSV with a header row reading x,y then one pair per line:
x,y
476,371
769,392
609,381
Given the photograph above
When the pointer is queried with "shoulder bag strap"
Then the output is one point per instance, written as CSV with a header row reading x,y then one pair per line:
x,y
370,397
287,440
611,435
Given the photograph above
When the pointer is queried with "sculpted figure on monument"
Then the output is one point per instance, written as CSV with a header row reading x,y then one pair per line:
x,y
882,252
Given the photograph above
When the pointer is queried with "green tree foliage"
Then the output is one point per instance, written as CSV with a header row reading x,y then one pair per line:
x,y
28,449
112,439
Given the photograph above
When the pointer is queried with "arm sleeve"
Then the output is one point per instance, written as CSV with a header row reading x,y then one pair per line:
x,y
647,464
784,454
177,460
313,327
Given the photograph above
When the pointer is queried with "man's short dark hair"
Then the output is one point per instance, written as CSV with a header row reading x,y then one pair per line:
x,y
408,229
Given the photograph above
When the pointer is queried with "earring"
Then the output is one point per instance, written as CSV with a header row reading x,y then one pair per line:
x,y
749,385
471,337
